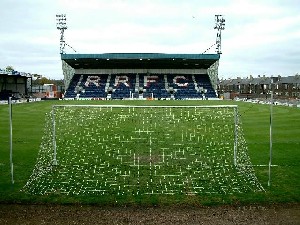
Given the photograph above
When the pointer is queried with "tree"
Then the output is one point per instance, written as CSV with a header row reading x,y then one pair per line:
x,y
41,80
9,69
58,82
45,80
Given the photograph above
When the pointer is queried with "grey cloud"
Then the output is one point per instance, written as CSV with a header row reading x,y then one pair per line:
x,y
29,40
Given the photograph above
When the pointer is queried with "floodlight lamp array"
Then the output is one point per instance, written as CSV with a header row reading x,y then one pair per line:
x,y
61,25
220,25
220,22
61,22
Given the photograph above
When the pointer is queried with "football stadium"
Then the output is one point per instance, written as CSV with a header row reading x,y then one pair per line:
x,y
147,129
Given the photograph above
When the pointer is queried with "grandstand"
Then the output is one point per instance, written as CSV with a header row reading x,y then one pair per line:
x,y
140,76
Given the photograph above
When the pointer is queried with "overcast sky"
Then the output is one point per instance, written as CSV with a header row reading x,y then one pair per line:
x,y
260,36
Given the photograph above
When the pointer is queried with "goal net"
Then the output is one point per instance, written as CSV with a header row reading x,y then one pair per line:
x,y
137,150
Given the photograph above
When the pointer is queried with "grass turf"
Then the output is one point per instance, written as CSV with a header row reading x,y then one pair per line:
x,y
28,125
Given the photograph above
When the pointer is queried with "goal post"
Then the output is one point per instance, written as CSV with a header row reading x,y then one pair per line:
x,y
140,150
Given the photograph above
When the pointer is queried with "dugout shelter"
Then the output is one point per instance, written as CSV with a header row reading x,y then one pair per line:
x,y
140,75
12,84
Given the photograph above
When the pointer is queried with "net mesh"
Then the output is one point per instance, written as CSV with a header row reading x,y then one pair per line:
x,y
142,150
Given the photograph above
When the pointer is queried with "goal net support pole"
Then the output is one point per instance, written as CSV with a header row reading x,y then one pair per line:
x,y
54,137
271,141
10,140
235,136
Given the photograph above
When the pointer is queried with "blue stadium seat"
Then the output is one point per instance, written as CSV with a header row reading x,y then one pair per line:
x,y
159,86
87,86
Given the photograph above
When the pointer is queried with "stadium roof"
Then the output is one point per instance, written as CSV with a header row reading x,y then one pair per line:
x,y
14,73
140,60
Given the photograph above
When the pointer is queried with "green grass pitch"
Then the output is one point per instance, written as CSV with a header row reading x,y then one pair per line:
x,y
28,127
